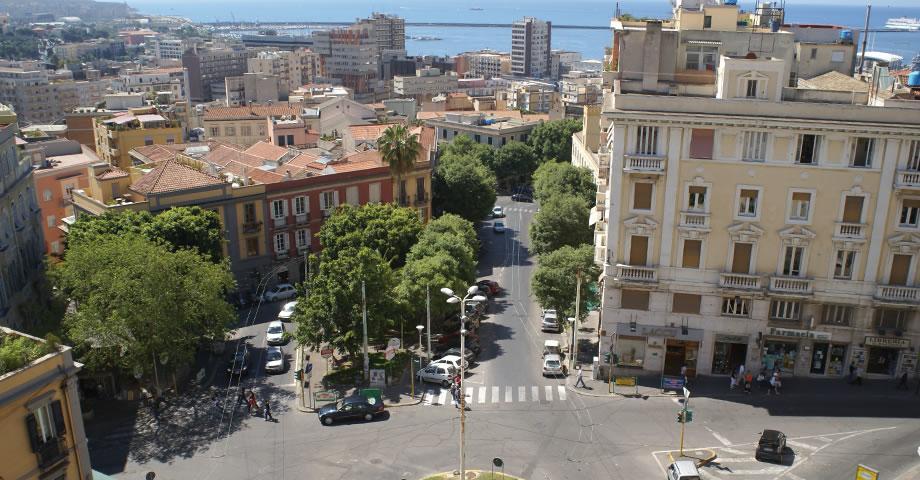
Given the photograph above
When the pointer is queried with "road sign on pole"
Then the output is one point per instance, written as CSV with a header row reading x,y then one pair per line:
x,y
326,352
865,473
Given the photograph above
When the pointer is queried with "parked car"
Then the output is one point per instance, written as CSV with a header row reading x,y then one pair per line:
x,y
683,470
498,212
552,365
551,347
281,291
437,373
551,322
354,406
771,446
472,343
287,311
452,360
469,356
275,361
489,287
274,334
238,365
522,197
498,227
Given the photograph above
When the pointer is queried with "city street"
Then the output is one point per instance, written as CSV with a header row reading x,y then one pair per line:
x,y
540,428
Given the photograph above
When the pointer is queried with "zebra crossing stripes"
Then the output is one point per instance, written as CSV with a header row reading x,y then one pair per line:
x,y
497,394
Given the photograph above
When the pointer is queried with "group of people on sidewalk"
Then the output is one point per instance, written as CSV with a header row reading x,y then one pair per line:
x,y
771,382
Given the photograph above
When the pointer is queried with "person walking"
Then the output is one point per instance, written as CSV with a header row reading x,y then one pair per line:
x,y
455,394
266,405
733,381
775,382
253,405
748,382
581,378
852,372
902,383
683,375
740,371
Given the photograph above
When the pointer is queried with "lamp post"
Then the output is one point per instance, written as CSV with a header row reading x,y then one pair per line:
x,y
572,348
412,373
451,298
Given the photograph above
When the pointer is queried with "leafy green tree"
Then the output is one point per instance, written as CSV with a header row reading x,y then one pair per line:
x,y
137,301
452,244
553,178
464,145
554,282
464,186
562,220
513,162
431,272
399,149
386,228
332,313
552,141
456,225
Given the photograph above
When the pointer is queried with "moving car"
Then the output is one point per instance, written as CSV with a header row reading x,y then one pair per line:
x,y
287,311
771,446
354,406
498,212
238,365
552,365
489,287
281,291
274,360
683,470
550,322
522,197
451,360
498,227
274,334
441,373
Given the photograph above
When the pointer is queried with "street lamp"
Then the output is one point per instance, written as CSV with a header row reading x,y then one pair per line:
x,y
471,293
419,328
572,348
420,346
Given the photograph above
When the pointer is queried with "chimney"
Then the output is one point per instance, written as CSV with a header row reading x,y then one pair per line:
x,y
651,50
246,178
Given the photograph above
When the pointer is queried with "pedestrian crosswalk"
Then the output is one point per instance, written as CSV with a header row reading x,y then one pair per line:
x,y
497,394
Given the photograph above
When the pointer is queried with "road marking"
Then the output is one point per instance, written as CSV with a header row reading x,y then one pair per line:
x,y
762,471
824,439
561,390
442,398
722,460
793,476
522,394
482,395
288,385
801,445
495,395
549,393
469,393
508,396
535,393
724,441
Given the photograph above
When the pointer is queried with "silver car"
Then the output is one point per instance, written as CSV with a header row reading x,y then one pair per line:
x,y
437,373
552,365
274,360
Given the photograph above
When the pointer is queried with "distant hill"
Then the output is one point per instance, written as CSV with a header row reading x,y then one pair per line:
x,y
88,10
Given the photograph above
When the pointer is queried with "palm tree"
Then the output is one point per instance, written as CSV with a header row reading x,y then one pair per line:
x,y
399,149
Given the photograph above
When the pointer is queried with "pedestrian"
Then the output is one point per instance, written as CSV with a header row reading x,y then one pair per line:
x,y
858,379
241,397
902,383
741,371
762,379
455,394
775,382
748,382
266,405
581,378
253,405
733,381
852,372
683,375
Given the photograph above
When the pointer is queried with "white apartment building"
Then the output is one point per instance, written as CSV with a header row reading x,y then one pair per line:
x,y
294,68
350,55
389,30
531,41
165,48
744,220
426,83
155,80
37,99
485,64
494,130
530,96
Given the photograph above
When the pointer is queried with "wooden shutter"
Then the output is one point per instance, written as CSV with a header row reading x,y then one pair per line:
x,y
60,427
692,249
701,141
900,265
638,251
686,303
32,428
852,209
741,261
642,196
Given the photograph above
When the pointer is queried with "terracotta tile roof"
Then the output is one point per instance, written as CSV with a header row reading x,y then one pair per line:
x,y
223,154
513,114
302,160
352,163
368,132
267,151
158,153
171,176
253,111
112,173
835,81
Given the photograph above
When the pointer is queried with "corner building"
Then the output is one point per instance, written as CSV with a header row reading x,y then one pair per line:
x,y
745,216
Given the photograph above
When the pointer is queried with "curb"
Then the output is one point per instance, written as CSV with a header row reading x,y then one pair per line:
x,y
407,404
698,461
612,395
298,366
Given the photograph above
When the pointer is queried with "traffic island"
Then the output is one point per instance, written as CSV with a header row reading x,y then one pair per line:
x,y
700,456
473,475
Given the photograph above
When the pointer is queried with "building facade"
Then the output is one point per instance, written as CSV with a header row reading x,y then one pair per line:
x,y
208,67
531,51
426,83
492,129
483,64
154,81
115,137
38,99
245,125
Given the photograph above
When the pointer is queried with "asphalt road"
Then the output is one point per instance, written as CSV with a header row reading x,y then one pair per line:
x,y
535,425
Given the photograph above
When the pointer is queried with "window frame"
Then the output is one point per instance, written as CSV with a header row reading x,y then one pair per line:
x,y
652,202
792,208
837,315
701,52
744,306
785,310
800,263
275,212
853,256
757,205
301,205
815,148
911,214
757,142
280,242
870,152
647,141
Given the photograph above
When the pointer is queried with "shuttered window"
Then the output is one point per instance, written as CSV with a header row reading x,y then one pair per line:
x,y
634,299
691,257
686,303
701,143
642,196
638,250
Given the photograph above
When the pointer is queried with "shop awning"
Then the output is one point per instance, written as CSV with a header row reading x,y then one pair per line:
x,y
713,43
594,216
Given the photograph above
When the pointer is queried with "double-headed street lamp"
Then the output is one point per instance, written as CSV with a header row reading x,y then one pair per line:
x,y
471,293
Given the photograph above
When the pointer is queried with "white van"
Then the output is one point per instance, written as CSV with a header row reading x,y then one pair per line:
x,y
683,470
551,347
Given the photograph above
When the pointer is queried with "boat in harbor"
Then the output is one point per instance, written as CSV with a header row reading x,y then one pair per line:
x,y
903,23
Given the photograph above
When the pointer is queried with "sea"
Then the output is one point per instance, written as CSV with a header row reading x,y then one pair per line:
x,y
590,43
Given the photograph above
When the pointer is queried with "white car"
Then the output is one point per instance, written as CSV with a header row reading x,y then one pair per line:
x,y
287,311
451,360
683,470
498,227
552,365
274,360
274,335
437,373
498,212
551,322
281,291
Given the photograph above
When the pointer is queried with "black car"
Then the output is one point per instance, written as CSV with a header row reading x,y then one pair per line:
x,y
354,406
238,365
772,446
522,197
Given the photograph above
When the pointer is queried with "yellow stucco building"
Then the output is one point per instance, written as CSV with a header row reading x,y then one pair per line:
x,y
115,137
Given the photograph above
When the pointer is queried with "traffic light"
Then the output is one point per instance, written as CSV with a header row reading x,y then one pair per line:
x,y
680,416
688,416
298,375
607,357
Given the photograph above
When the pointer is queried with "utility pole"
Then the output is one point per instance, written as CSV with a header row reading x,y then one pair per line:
x,y
367,362
428,318
575,323
862,58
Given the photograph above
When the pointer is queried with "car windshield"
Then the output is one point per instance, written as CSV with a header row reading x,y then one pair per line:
x,y
275,329
274,356
552,363
499,224
288,308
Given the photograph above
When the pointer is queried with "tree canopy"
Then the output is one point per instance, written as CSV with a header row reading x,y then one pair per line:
x,y
388,229
552,141
562,220
137,300
464,186
554,178
464,145
554,282
513,162
399,149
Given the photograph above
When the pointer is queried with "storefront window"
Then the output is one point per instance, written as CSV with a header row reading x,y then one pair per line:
x,y
836,359
727,356
882,360
631,351
780,355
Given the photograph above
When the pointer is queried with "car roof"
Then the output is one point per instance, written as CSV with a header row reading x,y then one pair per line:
x,y
771,435
686,467
284,285
274,349
551,343
552,356
354,399
290,304
450,357
275,323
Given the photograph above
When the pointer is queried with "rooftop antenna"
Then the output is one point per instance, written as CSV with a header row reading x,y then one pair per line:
x,y
862,58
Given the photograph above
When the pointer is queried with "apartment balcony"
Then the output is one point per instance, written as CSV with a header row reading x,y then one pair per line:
x,y
252,227
907,180
51,452
697,220
855,231
791,285
421,199
635,274
600,255
282,255
280,222
302,219
644,164
739,281
897,294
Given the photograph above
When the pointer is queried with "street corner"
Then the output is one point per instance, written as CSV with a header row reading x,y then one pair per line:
x,y
700,456
403,401
472,475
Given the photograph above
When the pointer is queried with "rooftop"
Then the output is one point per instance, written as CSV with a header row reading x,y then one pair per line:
x,y
834,81
171,176
253,111
18,350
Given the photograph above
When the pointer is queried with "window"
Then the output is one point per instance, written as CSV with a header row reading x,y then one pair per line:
x,y
252,247
702,57
814,53
839,315
910,209
490,140
751,86
785,310
792,261
281,141
230,131
45,424
647,140
290,140
890,318
47,195
443,133
261,130
843,265
373,193
56,247
861,154
692,251
707,21
696,198
736,307
303,238
246,131
249,212
281,243
279,209
148,140
852,209
801,205
477,138
701,143
807,149
900,267
504,141
328,200
913,156
686,303
638,250
215,131
351,195
642,196
754,148
634,299
300,205
747,203
741,257
51,221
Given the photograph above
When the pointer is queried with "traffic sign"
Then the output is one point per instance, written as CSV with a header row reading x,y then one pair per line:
x,y
865,473
326,352
325,396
